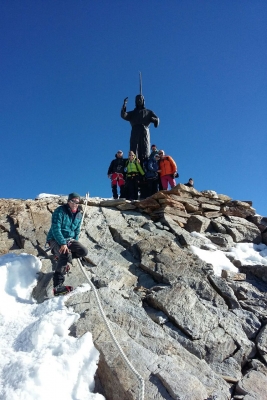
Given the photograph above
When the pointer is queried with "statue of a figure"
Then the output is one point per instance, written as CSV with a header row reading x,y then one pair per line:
x,y
140,119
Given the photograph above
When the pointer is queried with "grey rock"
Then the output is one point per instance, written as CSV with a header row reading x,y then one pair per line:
x,y
261,342
257,270
196,223
240,229
253,384
151,351
222,240
224,290
250,323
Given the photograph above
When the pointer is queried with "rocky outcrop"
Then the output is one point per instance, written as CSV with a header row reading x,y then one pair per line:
x,y
188,333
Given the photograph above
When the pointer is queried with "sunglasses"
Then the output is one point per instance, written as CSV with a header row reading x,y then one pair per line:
x,y
74,202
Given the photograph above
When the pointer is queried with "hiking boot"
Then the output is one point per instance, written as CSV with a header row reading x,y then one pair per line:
x,y
62,290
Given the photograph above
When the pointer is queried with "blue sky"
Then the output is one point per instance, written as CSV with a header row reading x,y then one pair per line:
x,y
66,67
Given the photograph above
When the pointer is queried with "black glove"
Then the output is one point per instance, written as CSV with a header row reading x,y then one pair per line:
x,y
125,101
176,175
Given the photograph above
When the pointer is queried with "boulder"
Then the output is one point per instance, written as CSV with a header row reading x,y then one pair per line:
x,y
253,384
240,229
197,223
261,342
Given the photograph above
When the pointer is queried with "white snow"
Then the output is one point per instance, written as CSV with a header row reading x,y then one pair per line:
x,y
39,359
217,258
44,195
246,253
250,254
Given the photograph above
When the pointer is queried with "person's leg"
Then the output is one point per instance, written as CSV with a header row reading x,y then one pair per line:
x,y
171,181
122,191
154,186
159,183
149,187
77,249
130,188
135,188
114,185
114,191
121,183
164,182
62,265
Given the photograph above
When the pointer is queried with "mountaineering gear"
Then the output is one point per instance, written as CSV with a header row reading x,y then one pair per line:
x,y
76,250
117,179
151,168
133,170
151,174
62,236
133,167
167,166
65,225
62,290
116,173
117,165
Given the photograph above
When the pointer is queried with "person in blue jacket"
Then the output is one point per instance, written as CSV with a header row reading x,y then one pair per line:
x,y
151,174
63,240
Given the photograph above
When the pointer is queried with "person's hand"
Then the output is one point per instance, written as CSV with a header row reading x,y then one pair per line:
x,y
125,101
109,176
159,170
63,249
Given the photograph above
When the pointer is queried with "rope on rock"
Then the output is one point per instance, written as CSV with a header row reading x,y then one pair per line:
x,y
130,366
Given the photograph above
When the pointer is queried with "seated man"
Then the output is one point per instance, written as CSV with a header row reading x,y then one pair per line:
x,y
190,183
63,240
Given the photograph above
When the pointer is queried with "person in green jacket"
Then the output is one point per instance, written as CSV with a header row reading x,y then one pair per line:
x,y
133,171
63,240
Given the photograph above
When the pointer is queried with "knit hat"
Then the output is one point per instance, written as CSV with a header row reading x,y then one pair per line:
x,y
73,196
153,145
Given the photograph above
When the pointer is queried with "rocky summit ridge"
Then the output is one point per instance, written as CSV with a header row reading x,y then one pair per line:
x,y
189,333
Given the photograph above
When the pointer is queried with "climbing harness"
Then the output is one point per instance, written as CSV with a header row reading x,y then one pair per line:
x,y
130,366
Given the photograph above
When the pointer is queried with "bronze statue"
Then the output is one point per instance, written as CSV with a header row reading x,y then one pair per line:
x,y
140,119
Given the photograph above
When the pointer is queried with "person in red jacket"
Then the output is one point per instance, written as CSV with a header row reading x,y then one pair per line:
x,y
167,170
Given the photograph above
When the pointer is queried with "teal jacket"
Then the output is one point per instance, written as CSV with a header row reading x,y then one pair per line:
x,y
65,225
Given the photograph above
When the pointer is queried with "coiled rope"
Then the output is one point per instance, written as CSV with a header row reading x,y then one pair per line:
x,y
130,366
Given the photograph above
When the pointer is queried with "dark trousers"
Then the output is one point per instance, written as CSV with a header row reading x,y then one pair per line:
x,y
115,191
76,250
132,187
152,186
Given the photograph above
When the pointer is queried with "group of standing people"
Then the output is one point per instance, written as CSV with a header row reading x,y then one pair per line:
x,y
156,172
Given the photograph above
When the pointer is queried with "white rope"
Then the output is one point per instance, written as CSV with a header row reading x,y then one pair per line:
x,y
130,366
